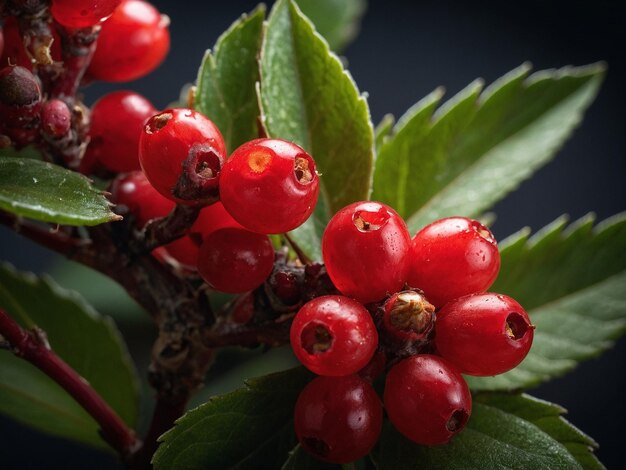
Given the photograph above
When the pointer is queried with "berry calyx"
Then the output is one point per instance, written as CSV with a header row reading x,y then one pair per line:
x,y
269,185
82,13
132,43
235,260
484,334
365,247
56,119
453,257
408,316
338,419
427,399
333,335
182,153
117,121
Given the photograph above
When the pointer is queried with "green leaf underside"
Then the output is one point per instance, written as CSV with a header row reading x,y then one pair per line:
x,y
504,431
49,193
307,97
226,80
249,428
336,20
85,340
465,156
571,281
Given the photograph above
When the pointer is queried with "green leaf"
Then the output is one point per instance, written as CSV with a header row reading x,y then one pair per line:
x,y
336,20
547,417
49,193
227,77
301,460
85,340
571,281
248,428
383,130
493,438
477,147
308,98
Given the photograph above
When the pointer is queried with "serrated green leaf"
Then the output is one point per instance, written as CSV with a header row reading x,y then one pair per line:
x,y
245,429
478,146
227,77
49,193
547,417
299,459
336,20
30,151
308,98
493,438
571,281
85,340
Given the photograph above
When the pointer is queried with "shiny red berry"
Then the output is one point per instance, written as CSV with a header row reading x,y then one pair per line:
x,y
408,316
338,419
132,43
211,218
333,335
451,258
483,334
117,121
269,185
82,13
365,247
427,399
235,260
56,119
182,153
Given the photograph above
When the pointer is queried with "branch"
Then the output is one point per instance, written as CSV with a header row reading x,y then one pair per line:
x,y
166,229
32,347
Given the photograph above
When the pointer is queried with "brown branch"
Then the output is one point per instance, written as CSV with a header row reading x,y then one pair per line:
x,y
32,347
166,229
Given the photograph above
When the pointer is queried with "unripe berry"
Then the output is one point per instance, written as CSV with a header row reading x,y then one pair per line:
x,y
82,13
427,399
451,258
333,335
483,334
117,121
365,247
20,97
269,185
132,43
56,119
182,153
338,419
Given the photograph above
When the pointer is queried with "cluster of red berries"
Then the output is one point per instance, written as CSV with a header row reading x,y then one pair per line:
x,y
417,307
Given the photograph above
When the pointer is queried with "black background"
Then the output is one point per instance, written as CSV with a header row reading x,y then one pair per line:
x,y
404,51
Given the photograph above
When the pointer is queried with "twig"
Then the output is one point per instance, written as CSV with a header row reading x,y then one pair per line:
x,y
32,347
304,259
167,229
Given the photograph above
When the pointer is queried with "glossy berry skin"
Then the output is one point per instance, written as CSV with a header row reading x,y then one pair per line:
x,y
427,399
269,185
132,43
82,13
211,218
338,419
451,258
333,335
169,139
117,121
483,334
365,247
235,260
55,119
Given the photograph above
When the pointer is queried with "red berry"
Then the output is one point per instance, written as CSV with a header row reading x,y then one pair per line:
x,y
333,335
235,260
185,250
269,185
136,194
117,121
55,118
427,399
408,316
483,334
1,42
132,43
338,419
451,258
182,144
82,13
365,246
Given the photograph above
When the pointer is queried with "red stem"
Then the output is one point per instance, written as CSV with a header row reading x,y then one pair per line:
x,y
32,347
